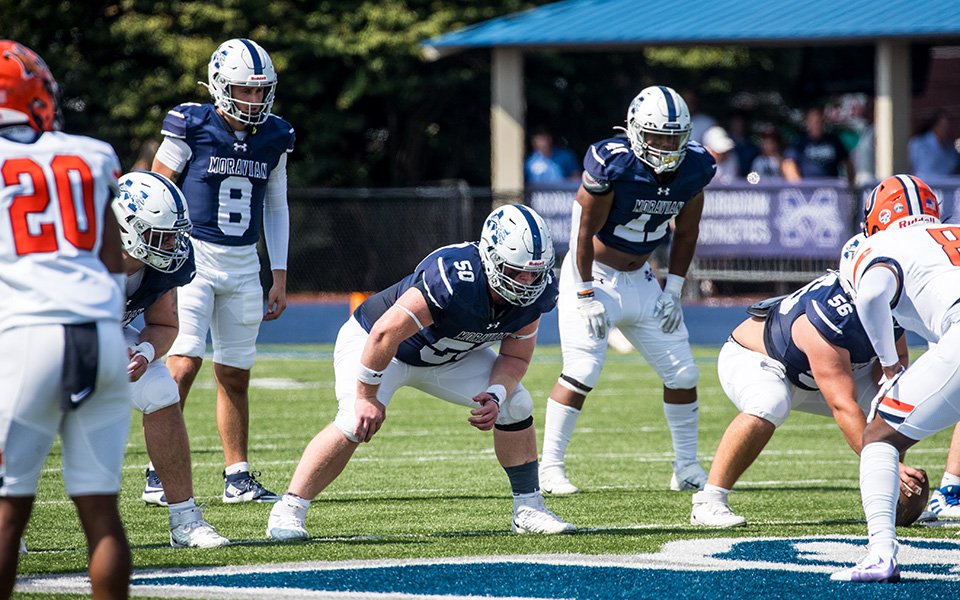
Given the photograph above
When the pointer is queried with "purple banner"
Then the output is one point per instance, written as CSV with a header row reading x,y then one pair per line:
x,y
811,219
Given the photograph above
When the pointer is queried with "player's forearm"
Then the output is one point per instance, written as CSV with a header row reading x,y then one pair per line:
x,y
852,423
280,278
161,337
508,371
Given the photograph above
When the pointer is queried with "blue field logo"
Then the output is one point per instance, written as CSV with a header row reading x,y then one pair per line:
x,y
700,568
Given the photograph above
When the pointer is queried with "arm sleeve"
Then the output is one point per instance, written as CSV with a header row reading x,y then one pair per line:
x,y
174,153
276,216
875,291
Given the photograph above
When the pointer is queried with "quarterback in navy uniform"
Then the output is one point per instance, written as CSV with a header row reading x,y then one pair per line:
x,y
158,258
633,187
433,331
803,352
230,159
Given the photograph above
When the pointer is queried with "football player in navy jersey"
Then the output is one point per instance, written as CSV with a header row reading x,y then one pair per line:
x,y
157,259
803,352
230,158
433,331
632,188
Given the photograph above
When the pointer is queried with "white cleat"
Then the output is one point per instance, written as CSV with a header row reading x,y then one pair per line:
x,y
714,514
189,530
553,480
690,478
530,515
287,523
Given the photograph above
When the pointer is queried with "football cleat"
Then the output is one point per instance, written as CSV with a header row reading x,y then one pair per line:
x,y
530,515
287,522
244,487
871,569
714,514
153,490
553,480
189,530
945,502
690,478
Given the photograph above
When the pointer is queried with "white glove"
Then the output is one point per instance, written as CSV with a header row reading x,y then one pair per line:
x,y
668,305
885,386
593,312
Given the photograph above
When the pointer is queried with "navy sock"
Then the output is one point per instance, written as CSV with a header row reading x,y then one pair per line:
x,y
524,479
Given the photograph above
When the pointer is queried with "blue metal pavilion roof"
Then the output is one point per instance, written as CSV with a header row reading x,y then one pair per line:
x,y
573,24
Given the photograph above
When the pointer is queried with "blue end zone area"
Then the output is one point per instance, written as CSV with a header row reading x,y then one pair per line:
x,y
318,323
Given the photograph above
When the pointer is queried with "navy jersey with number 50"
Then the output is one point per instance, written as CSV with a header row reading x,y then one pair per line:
x,y
226,178
454,285
832,314
642,207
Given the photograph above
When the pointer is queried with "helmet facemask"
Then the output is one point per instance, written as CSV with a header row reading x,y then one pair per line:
x,y
154,222
242,63
516,240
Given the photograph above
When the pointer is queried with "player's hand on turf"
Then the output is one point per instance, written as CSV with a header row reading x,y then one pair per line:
x,y
595,314
484,417
911,480
370,416
668,309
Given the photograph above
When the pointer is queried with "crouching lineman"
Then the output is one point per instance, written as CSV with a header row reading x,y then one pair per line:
x,y
154,228
804,352
908,269
432,331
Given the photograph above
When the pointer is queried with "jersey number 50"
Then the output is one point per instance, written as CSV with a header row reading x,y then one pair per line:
x,y
73,183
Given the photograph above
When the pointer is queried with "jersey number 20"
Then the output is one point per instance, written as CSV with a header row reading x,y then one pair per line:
x,y
73,182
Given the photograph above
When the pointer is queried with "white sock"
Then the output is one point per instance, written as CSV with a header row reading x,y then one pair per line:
x,y
297,501
240,467
151,467
949,479
879,490
179,507
683,420
557,429
711,493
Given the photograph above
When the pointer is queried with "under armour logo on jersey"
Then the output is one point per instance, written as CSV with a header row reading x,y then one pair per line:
x,y
663,191
493,325
648,275
239,147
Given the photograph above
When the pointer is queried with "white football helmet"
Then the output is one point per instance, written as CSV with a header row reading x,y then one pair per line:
x,y
847,256
153,218
241,62
516,239
658,127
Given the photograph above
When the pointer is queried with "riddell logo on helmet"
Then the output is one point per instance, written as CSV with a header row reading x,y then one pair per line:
x,y
908,221
536,263
258,78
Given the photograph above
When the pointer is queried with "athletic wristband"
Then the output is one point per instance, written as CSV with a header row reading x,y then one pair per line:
x,y
585,289
145,349
368,375
674,284
498,392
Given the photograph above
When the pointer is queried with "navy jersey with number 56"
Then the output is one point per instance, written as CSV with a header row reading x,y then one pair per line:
x,y
226,178
832,314
454,285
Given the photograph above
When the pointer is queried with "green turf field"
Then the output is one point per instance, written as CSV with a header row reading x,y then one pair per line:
x,y
429,484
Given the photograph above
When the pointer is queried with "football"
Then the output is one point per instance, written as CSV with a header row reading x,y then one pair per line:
x,y
909,509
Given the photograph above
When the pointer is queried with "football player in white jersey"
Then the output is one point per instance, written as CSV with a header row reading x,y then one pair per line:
x,y
230,158
63,353
633,188
906,268
157,258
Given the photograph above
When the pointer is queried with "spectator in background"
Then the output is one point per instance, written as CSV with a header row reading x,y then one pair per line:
x,y
932,153
548,163
698,120
744,147
770,161
817,153
865,152
721,148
